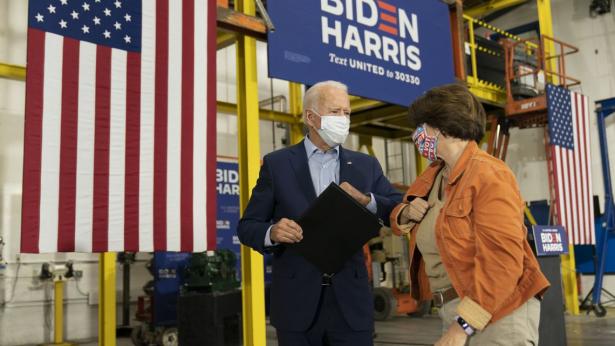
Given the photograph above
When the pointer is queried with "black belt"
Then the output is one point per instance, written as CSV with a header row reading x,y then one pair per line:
x,y
327,279
444,296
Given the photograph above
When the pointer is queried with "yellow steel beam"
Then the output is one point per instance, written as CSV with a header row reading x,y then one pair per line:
x,y
545,22
106,299
252,273
394,126
358,104
13,72
380,114
569,276
491,6
487,92
380,132
225,39
569,279
264,114
296,109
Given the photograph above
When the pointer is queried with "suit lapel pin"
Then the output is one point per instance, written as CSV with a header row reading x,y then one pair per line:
x,y
349,163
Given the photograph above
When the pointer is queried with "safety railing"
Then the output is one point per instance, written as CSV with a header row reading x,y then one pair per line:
x,y
557,61
489,90
530,64
471,24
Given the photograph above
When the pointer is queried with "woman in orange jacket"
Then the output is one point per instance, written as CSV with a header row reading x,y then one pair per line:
x,y
464,219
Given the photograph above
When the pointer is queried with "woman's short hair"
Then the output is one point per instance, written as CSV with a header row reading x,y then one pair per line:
x,y
452,109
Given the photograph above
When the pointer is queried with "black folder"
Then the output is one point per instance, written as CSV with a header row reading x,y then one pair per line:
x,y
335,227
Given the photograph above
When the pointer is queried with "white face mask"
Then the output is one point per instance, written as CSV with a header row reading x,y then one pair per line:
x,y
333,129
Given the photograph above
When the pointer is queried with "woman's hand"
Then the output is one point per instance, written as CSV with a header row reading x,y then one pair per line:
x,y
455,336
415,211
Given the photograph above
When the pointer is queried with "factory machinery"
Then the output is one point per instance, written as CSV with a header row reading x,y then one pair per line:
x,y
192,299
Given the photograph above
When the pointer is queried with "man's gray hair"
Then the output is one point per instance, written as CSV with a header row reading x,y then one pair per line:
x,y
313,96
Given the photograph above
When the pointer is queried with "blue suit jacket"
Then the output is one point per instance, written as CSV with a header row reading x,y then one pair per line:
x,y
284,190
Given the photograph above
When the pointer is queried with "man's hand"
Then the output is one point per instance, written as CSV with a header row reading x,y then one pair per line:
x,y
415,211
286,231
455,336
356,194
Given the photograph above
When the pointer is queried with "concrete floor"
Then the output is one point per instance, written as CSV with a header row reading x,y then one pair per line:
x,y
581,330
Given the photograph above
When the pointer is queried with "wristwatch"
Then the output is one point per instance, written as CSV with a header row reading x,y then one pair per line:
x,y
467,328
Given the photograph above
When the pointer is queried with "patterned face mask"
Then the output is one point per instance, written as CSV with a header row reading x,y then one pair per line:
x,y
427,145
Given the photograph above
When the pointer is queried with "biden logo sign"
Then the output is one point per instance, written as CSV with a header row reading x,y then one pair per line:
x,y
391,50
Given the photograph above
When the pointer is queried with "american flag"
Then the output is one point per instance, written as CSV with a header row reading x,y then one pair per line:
x,y
120,143
568,114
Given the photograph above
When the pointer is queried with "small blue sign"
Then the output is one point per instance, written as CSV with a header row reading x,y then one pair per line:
x,y
550,240
388,50
227,185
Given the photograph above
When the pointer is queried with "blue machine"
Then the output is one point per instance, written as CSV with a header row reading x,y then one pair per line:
x,y
168,279
604,109
157,310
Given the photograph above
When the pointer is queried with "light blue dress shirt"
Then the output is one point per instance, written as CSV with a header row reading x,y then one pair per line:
x,y
324,170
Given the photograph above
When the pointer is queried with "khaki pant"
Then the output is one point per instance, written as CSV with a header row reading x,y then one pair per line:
x,y
519,328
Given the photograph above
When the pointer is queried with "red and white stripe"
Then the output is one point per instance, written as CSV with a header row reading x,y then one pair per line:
x,y
573,192
120,146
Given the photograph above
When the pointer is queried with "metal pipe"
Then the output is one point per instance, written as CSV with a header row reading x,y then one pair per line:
x,y
473,49
42,303
281,99
1,248
126,294
263,12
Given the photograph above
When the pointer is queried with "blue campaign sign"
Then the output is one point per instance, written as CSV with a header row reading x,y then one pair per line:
x,y
391,50
227,185
550,240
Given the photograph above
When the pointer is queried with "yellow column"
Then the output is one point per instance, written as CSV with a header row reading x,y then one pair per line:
x,y
569,276
58,314
106,300
546,28
296,109
252,273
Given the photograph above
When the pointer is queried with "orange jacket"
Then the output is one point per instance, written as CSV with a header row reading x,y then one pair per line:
x,y
481,238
